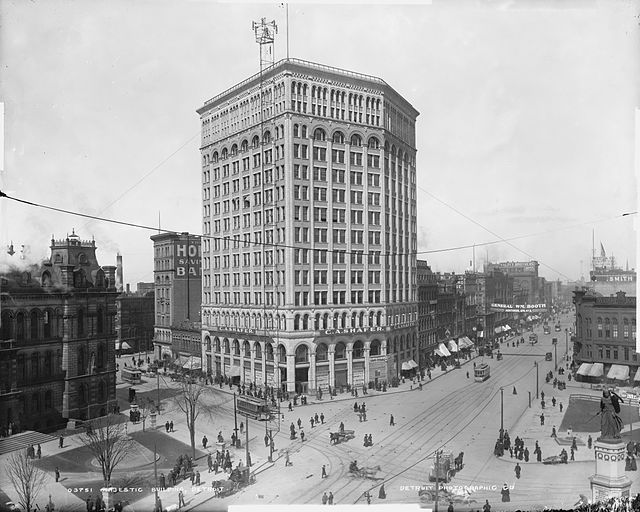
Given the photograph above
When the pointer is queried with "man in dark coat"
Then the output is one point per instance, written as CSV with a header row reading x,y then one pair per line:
x,y
517,469
526,454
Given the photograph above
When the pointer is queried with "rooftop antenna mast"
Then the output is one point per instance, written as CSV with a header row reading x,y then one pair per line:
x,y
265,33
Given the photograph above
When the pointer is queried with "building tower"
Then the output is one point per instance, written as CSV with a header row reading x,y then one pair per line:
x,y
309,223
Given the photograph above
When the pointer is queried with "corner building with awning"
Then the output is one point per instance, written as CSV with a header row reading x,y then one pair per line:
x,y
605,341
309,223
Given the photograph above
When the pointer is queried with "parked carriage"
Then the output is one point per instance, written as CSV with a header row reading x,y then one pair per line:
x,y
442,468
339,437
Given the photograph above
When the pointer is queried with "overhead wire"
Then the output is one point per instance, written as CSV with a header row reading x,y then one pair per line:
x,y
284,245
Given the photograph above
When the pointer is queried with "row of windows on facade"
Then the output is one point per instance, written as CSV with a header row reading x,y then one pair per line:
x,y
301,298
46,324
339,320
338,137
301,352
606,352
608,328
42,365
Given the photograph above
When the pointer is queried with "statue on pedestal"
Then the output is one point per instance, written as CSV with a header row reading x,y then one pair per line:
x,y
610,421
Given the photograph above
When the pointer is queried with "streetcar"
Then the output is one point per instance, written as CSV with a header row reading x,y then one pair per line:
x,y
254,408
131,375
482,372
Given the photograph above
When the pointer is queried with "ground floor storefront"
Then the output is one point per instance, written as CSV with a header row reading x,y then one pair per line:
x,y
334,359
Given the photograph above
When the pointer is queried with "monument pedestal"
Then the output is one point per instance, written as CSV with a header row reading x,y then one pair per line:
x,y
610,480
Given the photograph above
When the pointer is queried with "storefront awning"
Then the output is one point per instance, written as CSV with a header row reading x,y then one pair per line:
x,y
406,366
465,342
637,377
192,363
412,363
597,370
618,372
234,371
507,328
123,346
584,369
442,351
497,330
452,346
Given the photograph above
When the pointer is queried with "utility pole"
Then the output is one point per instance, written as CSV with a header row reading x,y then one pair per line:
x,y
566,336
554,341
235,419
536,365
501,414
155,474
158,387
437,471
246,441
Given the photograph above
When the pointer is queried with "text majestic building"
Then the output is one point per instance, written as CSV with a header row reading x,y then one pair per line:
x,y
309,216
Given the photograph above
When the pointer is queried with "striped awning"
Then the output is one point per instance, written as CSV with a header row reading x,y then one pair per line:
x,y
597,370
442,351
584,369
618,372
637,377
452,346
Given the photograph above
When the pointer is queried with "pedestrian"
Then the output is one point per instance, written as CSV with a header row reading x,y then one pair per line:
x,y
539,455
330,498
162,482
486,507
57,474
171,426
39,452
553,432
542,395
526,454
287,461
204,442
450,507
266,440
511,452
61,442
367,495
382,493
322,418
242,427
166,427
589,442
311,421
391,421
315,419
542,403
560,406
341,427
574,444
181,502
197,477
324,471
209,462
572,454
505,493
542,419
366,440
467,375
302,436
553,401
325,498
299,423
290,407
517,469
370,441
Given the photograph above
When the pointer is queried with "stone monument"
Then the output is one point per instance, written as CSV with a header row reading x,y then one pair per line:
x,y
610,450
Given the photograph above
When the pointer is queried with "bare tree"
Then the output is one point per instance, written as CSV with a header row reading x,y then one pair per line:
x,y
108,442
146,406
190,400
27,479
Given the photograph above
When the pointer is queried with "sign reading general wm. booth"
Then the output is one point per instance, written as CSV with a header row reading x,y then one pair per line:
x,y
518,308
187,259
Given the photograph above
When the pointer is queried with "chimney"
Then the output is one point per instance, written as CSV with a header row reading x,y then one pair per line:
x,y
119,279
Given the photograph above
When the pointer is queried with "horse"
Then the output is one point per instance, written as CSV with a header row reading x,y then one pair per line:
x,y
457,462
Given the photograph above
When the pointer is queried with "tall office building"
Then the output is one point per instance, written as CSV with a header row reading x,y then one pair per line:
x,y
309,217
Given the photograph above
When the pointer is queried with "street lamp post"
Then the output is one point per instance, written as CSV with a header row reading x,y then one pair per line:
x,y
554,341
501,414
536,365
566,337
235,419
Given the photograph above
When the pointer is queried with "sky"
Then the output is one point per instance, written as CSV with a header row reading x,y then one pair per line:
x,y
527,124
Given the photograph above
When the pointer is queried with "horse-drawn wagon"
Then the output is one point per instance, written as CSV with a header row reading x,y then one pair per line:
x,y
340,436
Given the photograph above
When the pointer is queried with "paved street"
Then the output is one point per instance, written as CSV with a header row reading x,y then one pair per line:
x,y
451,412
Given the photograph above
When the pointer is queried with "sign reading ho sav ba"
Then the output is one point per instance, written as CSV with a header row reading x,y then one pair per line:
x,y
187,259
